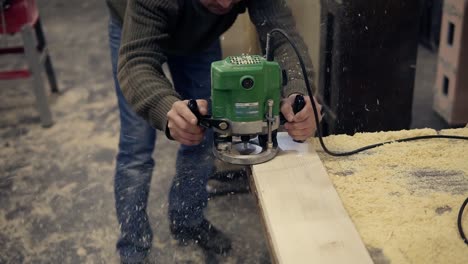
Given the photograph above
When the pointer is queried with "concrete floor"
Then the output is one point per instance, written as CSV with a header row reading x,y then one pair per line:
x,y
56,184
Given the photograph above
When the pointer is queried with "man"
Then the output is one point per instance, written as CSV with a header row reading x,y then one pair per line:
x,y
185,34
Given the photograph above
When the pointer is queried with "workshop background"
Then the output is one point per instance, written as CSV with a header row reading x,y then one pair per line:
x,y
56,183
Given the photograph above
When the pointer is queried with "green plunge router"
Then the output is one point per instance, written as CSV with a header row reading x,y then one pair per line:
x,y
245,106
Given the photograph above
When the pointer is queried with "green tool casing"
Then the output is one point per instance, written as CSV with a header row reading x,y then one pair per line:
x,y
241,87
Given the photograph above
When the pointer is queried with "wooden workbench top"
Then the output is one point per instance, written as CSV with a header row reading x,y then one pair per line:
x,y
403,199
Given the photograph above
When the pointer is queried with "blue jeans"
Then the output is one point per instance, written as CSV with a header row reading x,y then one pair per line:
x,y
134,165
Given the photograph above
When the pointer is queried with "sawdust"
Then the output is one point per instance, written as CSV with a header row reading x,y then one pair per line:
x,y
404,197
52,174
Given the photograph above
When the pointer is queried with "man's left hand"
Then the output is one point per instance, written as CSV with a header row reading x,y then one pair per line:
x,y
301,125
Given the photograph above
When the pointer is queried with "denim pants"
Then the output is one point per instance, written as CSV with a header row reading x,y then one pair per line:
x,y
134,165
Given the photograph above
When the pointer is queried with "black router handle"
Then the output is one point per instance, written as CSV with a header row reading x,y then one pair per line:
x,y
298,105
193,106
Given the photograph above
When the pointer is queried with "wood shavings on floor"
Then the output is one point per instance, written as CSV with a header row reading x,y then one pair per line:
x,y
404,197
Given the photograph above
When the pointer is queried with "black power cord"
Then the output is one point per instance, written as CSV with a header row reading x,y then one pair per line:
x,y
269,56
459,221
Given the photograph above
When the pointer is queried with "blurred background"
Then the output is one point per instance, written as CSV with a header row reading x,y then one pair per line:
x,y
380,66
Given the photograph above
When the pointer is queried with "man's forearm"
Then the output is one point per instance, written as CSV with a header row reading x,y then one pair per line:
x,y
140,73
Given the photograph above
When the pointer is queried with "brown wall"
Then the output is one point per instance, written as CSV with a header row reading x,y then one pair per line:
x,y
241,38
453,60
307,14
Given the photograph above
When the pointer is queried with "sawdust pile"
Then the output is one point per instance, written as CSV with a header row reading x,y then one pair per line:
x,y
404,197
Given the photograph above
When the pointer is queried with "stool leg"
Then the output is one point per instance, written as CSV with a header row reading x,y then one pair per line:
x,y
42,46
33,57
51,74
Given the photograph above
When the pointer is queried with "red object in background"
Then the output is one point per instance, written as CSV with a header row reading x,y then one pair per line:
x,y
12,20
22,17
18,14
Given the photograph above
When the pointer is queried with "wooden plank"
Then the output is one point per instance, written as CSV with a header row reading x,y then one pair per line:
x,y
303,214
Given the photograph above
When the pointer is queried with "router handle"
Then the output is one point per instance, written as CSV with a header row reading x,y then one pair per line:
x,y
193,106
298,105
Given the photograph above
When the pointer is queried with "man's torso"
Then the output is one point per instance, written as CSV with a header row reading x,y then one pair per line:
x,y
193,28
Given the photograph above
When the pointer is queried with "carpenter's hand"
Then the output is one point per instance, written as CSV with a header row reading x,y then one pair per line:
x,y
301,125
182,123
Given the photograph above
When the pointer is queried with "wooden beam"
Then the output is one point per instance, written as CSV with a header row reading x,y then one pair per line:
x,y
303,214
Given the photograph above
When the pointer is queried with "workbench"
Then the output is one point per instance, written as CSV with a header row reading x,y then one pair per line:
x,y
397,203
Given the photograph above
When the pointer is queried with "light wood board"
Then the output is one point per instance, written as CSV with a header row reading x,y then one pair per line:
x,y
303,214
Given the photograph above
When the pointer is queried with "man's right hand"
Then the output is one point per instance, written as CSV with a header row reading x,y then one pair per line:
x,y
182,123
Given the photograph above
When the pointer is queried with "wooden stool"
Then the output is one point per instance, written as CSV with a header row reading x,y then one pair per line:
x,y
22,16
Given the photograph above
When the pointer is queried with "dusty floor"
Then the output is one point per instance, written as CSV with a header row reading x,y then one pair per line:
x,y
56,196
